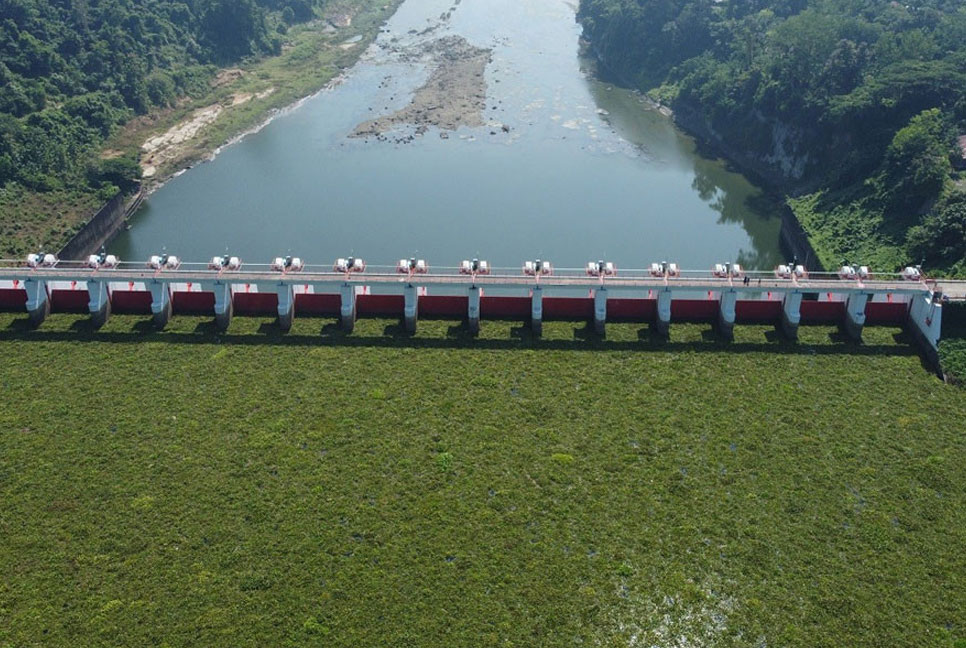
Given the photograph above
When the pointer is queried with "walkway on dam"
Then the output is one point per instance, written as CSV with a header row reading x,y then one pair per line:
x,y
567,278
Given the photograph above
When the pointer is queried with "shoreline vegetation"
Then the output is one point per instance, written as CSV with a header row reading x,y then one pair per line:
x,y
852,112
852,115
224,105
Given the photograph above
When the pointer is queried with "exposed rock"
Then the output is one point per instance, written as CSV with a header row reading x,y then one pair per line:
x,y
453,96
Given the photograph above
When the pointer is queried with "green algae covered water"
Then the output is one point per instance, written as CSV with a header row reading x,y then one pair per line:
x,y
583,170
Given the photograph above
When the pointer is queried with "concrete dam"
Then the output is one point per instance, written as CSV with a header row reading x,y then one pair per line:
x,y
472,291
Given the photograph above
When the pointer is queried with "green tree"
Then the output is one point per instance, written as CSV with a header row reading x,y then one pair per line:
x,y
233,28
123,172
916,163
941,238
97,110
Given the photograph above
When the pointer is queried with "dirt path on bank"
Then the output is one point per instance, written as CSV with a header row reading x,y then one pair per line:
x,y
453,96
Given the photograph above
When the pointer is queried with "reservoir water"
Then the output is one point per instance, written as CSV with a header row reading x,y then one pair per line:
x,y
583,170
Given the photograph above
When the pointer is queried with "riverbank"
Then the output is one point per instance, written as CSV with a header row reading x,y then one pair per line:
x,y
240,99
245,98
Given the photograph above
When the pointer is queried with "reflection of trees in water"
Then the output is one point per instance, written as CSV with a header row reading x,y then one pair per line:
x,y
758,214
729,194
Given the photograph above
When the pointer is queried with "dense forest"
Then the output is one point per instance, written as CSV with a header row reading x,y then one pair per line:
x,y
853,107
71,71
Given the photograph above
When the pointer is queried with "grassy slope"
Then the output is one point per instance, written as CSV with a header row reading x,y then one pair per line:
x,y
846,226
311,58
188,489
850,224
30,220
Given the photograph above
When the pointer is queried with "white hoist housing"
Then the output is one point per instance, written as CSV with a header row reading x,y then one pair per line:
x,y
847,272
224,263
418,266
102,261
911,273
601,269
785,271
476,266
664,268
287,264
164,262
537,268
349,265
41,260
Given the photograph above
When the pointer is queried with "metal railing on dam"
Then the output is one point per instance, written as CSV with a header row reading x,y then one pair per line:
x,y
660,294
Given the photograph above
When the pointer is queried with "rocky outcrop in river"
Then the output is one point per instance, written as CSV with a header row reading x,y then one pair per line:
x,y
453,96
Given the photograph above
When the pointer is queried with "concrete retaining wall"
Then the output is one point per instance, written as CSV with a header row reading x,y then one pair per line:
x,y
794,241
102,227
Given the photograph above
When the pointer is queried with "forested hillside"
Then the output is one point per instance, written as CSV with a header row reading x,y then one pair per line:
x,y
72,71
853,106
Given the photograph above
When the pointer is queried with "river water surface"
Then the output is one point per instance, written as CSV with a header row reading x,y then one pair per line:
x,y
586,170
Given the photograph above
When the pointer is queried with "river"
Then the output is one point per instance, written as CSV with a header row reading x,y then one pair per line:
x,y
585,171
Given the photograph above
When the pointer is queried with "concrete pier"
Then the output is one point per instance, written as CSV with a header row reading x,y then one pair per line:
x,y
38,300
411,307
473,309
663,322
224,303
347,311
791,314
600,310
926,322
726,314
160,303
286,306
100,302
536,311
855,314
